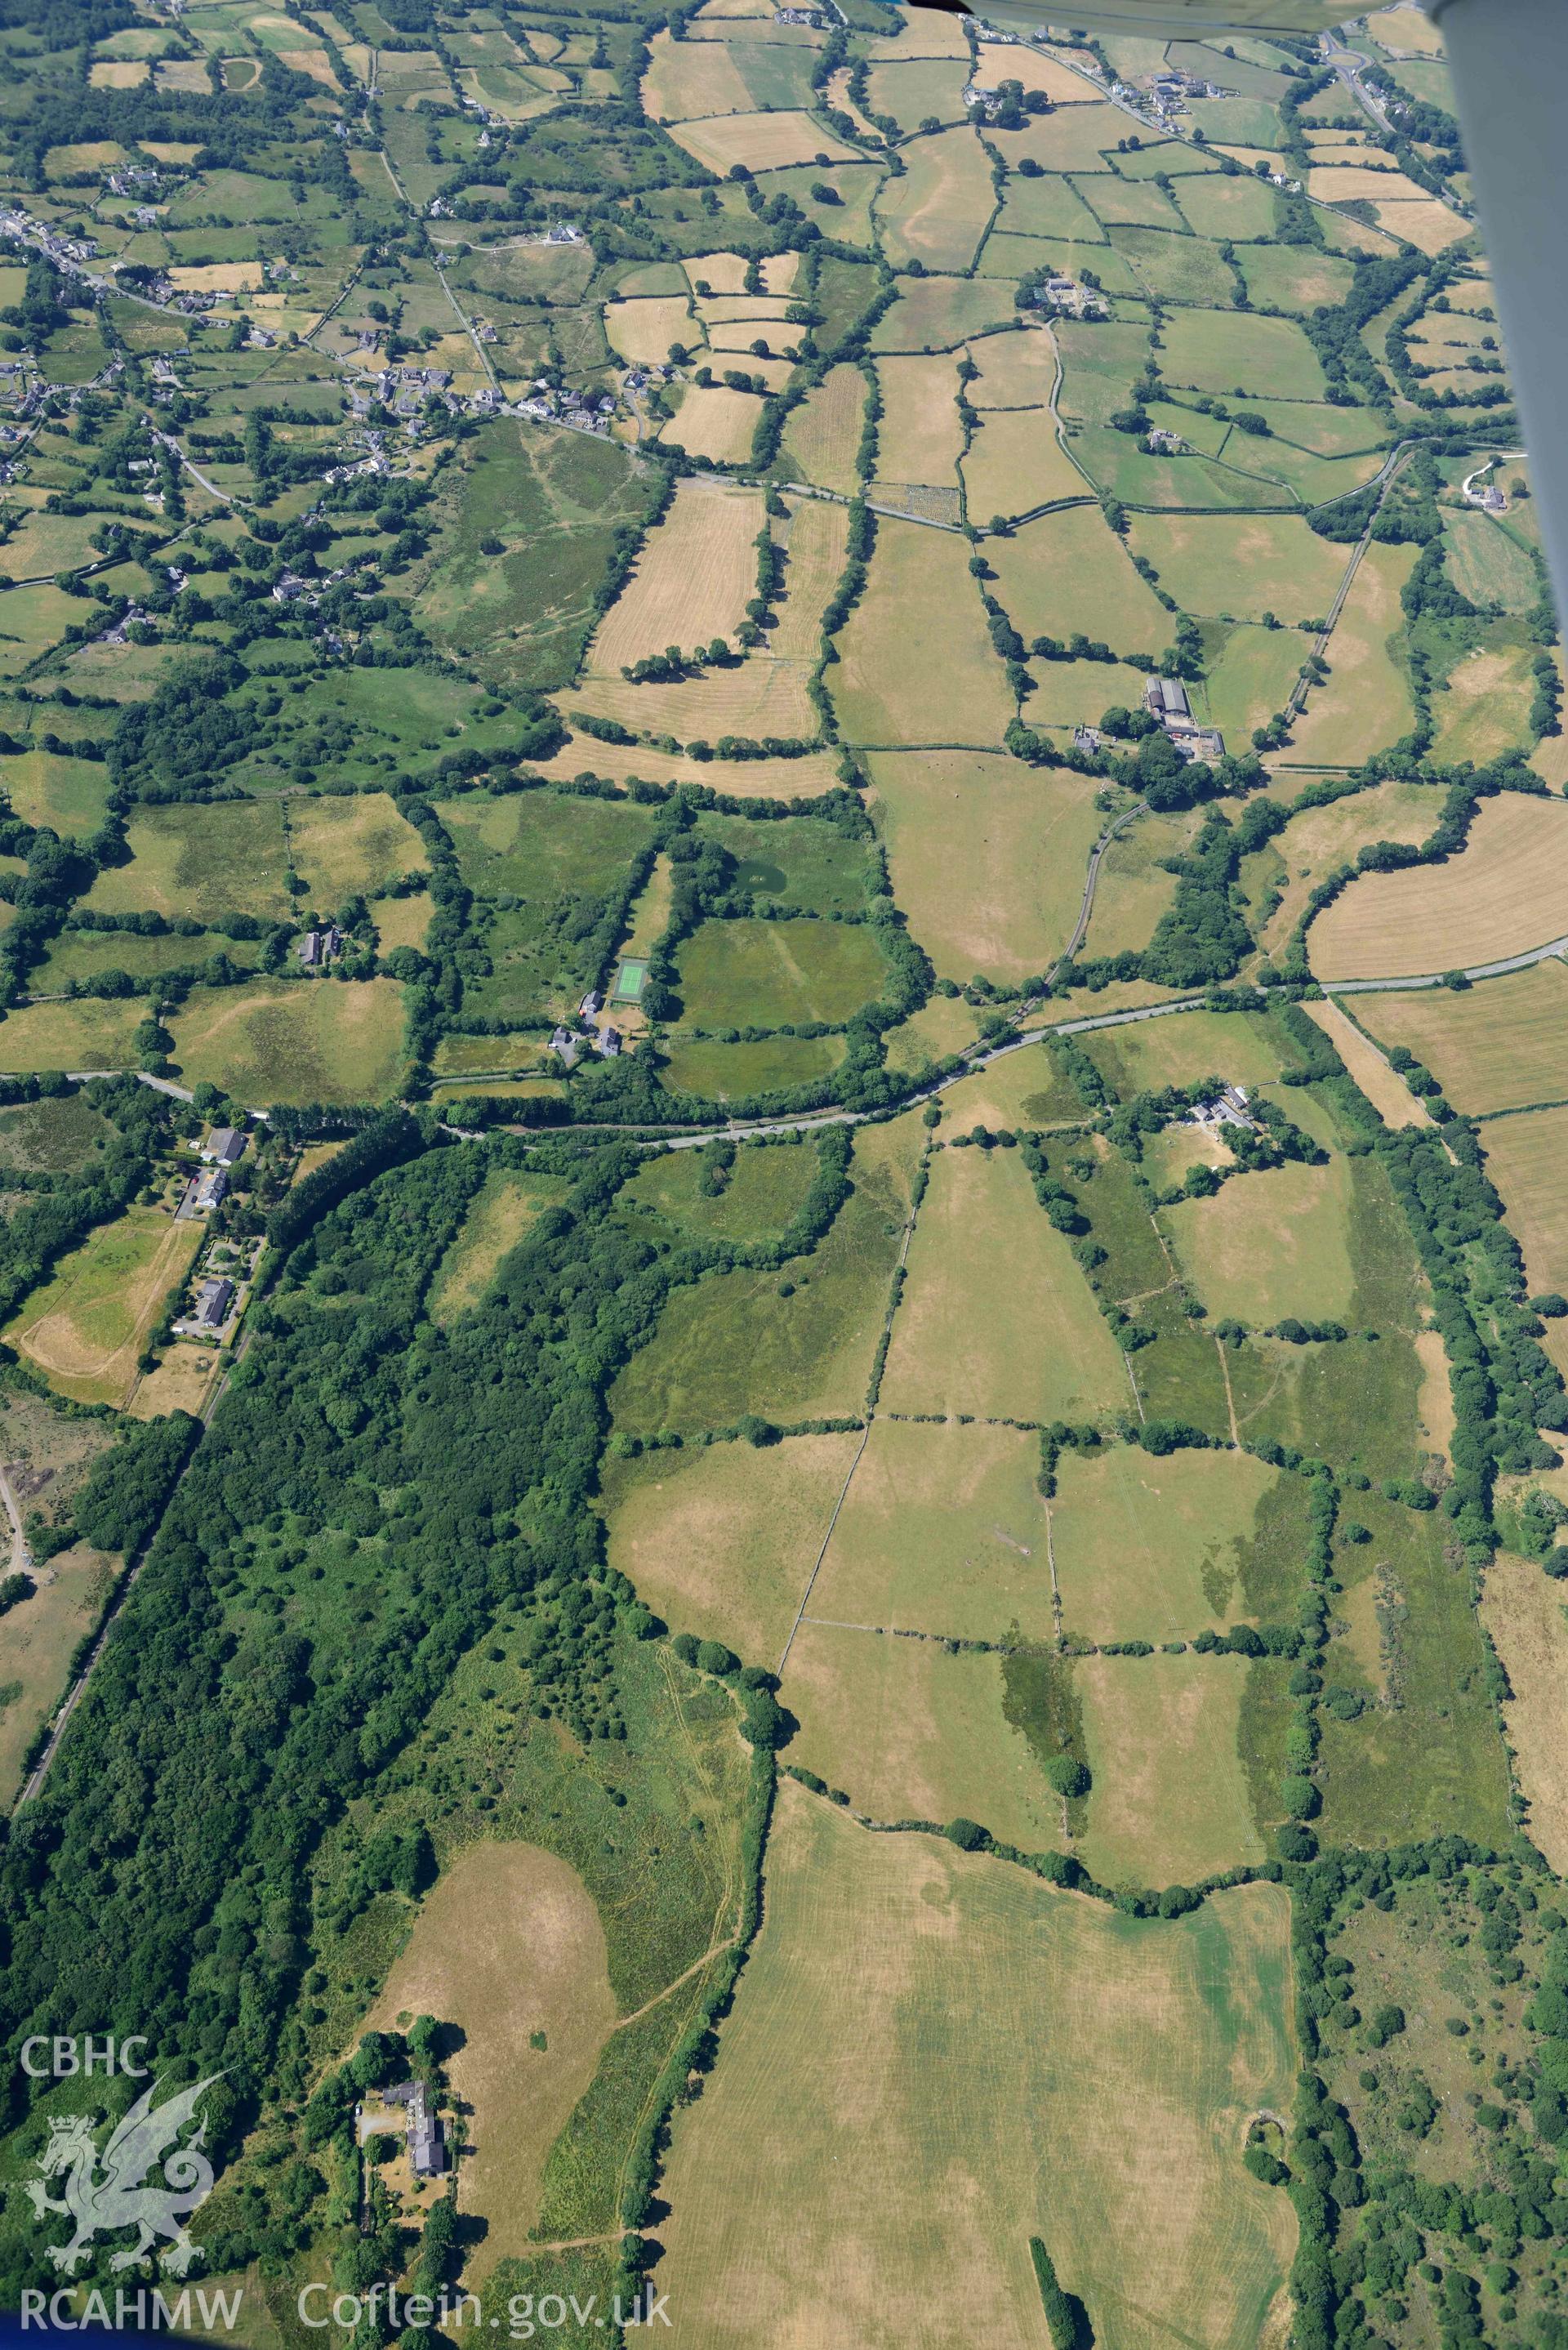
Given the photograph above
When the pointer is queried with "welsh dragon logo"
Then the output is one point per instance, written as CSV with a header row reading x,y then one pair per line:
x,y
106,2192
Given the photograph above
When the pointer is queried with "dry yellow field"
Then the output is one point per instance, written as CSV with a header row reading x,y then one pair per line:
x,y
508,1943
816,549
1016,462
1523,1610
1405,30
84,1328
692,580
1505,893
181,1382
937,211
931,2058
343,846
763,142
941,1530
1015,371
1483,707
119,73
35,1646
1319,839
1366,704
911,1731
886,687
1384,1086
822,434
1061,85
724,272
1269,1245
687,78
1500,1046
988,858
764,695
919,435
1425,224
1169,1801
720,1540
1346,183
924,34
784,779
643,328
996,1319
715,421
1525,1157
218,277
402,921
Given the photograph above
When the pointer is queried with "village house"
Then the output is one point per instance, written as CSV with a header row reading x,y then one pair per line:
x,y
223,1144
318,947
213,1303
566,1047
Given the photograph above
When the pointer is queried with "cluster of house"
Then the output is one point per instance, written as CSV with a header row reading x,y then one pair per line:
x,y
1229,1107
1170,89
1066,297
69,254
1166,699
813,16
568,1044
318,947
224,1148
1164,443
134,180
584,411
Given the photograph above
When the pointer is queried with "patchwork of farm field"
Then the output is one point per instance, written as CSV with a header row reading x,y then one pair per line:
x,y
826,1548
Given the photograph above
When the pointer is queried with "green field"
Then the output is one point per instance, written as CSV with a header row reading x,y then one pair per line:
x,y
1240,567
92,1033
541,846
761,973
1238,352
1156,1550
1066,574
306,1040
57,1135
731,1072
754,1199
736,1344
205,862
1115,2061
553,501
